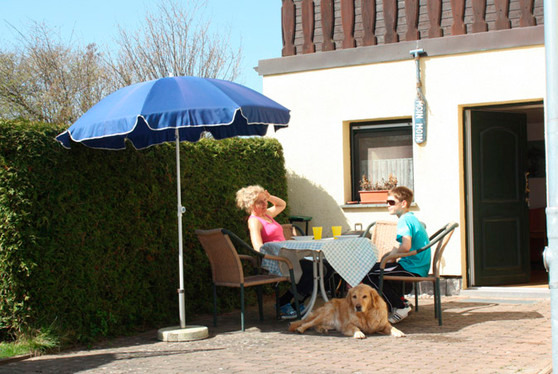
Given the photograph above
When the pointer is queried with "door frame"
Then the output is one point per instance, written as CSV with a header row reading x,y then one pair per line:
x,y
468,265
468,169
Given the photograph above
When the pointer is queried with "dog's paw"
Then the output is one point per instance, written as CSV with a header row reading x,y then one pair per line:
x,y
359,335
397,333
300,330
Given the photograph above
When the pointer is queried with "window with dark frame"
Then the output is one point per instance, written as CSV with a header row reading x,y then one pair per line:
x,y
379,149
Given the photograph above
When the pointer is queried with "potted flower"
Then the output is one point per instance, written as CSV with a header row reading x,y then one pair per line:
x,y
376,193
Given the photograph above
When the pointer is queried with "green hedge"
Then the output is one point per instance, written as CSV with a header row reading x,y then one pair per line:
x,y
88,238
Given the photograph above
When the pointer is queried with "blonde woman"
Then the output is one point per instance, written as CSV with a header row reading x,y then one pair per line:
x,y
261,223
255,200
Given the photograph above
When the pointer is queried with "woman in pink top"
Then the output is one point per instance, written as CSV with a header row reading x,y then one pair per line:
x,y
263,228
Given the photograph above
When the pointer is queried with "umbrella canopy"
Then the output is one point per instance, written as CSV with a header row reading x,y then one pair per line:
x,y
148,113
175,109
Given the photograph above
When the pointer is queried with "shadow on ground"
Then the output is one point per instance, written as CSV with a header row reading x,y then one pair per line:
x,y
465,321
457,315
88,361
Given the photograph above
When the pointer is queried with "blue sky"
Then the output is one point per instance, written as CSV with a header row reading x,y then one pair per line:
x,y
254,23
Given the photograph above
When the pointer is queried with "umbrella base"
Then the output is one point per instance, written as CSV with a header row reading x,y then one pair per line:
x,y
176,334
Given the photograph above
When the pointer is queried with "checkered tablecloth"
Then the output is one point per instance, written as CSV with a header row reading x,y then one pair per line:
x,y
352,258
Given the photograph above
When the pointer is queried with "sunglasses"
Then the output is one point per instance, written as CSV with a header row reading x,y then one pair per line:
x,y
391,202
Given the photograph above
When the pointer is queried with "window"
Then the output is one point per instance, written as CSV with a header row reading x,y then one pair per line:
x,y
379,149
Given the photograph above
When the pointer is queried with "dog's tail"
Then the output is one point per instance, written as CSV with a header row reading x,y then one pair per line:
x,y
294,325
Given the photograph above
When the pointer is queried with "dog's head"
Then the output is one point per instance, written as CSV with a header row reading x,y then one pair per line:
x,y
362,298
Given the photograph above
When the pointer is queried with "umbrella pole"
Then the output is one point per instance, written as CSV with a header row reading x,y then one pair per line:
x,y
172,334
181,209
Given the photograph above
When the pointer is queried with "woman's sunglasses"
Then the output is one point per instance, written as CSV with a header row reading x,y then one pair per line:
x,y
391,202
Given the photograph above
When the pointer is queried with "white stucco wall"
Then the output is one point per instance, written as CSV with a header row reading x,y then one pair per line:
x,y
322,103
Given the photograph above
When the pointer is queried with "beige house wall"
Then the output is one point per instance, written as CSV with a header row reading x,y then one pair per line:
x,y
324,102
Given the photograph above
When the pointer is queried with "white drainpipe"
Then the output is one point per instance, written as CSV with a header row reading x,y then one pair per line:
x,y
551,135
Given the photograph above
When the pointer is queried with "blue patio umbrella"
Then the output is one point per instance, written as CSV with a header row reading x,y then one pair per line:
x,y
175,109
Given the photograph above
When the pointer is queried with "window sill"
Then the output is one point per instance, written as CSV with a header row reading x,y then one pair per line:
x,y
369,206
362,206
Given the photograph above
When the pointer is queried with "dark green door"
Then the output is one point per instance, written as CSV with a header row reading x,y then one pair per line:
x,y
500,212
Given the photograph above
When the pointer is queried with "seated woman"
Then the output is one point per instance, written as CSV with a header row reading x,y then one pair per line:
x,y
263,228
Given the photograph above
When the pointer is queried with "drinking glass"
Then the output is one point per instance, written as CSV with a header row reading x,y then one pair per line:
x,y
317,230
336,231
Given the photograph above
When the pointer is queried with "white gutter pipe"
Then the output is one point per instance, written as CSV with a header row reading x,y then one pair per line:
x,y
550,254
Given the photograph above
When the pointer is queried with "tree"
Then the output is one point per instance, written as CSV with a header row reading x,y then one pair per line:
x,y
46,80
49,80
173,42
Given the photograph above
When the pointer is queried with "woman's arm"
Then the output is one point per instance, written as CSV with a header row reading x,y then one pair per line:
x,y
278,204
255,227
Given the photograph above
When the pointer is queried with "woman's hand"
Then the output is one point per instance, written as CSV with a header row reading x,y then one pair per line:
x,y
278,204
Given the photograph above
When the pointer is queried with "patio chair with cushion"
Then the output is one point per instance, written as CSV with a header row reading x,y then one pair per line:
x,y
440,239
227,269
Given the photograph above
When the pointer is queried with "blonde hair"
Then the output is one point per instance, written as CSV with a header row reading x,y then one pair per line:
x,y
402,193
247,196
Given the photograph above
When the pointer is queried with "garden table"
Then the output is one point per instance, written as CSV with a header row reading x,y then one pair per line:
x,y
351,257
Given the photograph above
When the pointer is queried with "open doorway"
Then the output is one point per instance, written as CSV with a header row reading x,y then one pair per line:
x,y
506,195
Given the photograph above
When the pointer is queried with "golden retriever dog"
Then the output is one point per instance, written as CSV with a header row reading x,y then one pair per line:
x,y
361,311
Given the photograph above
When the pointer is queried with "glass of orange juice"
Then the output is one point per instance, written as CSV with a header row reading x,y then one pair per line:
x,y
336,231
317,230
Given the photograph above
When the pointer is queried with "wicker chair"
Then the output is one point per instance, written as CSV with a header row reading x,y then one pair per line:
x,y
227,270
440,239
290,230
382,234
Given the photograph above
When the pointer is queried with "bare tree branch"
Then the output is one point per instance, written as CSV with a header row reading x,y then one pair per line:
x,y
47,80
174,41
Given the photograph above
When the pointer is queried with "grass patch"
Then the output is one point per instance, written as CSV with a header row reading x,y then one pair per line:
x,y
8,350
35,344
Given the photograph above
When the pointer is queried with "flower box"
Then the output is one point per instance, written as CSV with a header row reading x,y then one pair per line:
x,y
373,197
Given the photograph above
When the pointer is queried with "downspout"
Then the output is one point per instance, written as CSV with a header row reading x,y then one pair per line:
x,y
550,254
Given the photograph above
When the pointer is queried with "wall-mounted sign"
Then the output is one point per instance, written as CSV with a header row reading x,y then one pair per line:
x,y
419,121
